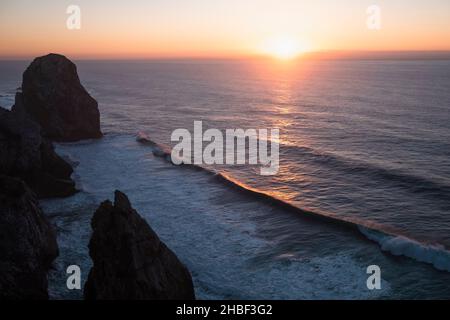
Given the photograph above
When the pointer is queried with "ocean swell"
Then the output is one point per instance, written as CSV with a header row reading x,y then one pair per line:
x,y
413,182
397,245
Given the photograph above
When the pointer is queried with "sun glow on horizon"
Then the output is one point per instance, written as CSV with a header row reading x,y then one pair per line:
x,y
284,47
283,30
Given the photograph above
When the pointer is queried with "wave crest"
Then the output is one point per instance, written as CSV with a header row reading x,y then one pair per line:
x,y
434,254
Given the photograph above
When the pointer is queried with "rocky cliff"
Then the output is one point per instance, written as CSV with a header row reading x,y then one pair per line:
x,y
27,243
24,153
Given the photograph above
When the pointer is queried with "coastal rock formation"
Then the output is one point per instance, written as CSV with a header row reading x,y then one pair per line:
x,y
54,97
130,262
27,243
24,153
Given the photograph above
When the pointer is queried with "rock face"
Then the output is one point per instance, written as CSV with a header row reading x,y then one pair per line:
x,y
24,153
27,243
54,97
130,262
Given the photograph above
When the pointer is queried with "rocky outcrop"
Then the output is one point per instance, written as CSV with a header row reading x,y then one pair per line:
x,y
129,260
24,153
54,97
27,243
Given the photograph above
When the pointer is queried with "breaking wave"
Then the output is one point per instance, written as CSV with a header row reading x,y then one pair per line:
x,y
434,254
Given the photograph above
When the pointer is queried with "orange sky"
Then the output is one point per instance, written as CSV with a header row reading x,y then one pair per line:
x,y
219,28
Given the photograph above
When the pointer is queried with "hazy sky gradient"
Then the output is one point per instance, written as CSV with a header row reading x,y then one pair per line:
x,y
196,28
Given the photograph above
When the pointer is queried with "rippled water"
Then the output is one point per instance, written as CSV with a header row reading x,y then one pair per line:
x,y
365,141
361,139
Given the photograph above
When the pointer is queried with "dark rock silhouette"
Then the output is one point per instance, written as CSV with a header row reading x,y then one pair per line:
x,y
54,97
26,154
27,243
130,262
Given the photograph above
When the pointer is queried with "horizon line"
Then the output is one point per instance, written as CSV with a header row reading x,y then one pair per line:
x,y
313,55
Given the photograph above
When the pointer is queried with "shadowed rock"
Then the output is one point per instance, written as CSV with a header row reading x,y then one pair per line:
x,y
26,154
27,243
54,97
130,262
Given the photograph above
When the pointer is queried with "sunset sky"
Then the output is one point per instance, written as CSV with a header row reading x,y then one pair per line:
x,y
218,28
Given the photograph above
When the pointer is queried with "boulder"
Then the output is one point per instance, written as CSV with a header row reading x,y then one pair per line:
x,y
27,243
24,153
54,97
129,260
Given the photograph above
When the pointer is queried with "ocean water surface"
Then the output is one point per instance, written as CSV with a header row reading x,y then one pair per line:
x,y
367,142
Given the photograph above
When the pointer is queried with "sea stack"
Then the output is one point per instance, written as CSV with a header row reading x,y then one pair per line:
x,y
129,260
27,243
54,97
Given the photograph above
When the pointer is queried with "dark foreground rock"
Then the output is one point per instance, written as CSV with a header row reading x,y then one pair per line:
x,y
24,153
54,97
27,243
130,262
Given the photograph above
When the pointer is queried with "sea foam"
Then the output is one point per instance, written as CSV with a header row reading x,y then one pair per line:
x,y
434,254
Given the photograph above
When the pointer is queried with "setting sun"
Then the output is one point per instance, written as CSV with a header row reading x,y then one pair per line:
x,y
284,47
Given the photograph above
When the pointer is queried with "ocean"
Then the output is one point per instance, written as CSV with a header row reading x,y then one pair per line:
x,y
363,142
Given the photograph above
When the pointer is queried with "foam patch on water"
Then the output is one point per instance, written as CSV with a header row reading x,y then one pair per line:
x,y
71,218
328,277
7,100
436,255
